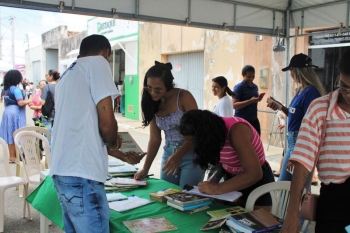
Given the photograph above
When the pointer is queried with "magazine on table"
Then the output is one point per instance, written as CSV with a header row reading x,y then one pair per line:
x,y
259,220
150,225
214,223
227,211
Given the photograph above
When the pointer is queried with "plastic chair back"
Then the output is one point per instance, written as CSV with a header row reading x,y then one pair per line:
x,y
26,141
6,157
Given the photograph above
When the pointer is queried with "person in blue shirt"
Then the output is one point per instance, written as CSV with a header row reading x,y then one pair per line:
x,y
302,72
245,101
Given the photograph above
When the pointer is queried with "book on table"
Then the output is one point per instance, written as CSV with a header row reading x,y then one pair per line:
x,y
122,169
146,225
214,223
128,204
197,209
255,221
188,207
230,196
227,211
129,144
128,181
185,199
160,195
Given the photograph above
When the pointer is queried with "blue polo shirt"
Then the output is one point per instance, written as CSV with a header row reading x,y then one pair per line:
x,y
245,92
299,105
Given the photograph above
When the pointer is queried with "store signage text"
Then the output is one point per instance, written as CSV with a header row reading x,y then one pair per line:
x,y
106,27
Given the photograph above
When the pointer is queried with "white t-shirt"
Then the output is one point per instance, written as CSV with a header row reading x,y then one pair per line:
x,y
224,107
77,148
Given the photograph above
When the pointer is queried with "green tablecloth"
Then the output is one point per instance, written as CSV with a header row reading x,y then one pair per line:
x,y
45,200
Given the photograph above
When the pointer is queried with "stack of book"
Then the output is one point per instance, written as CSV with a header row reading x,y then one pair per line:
x,y
122,184
254,221
122,171
160,195
188,202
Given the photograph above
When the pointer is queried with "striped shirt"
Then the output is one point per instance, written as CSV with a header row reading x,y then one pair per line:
x,y
334,162
228,155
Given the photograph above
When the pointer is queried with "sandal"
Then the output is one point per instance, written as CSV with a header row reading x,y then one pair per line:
x,y
12,162
275,174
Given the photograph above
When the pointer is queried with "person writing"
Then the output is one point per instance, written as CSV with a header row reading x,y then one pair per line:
x,y
246,98
220,89
85,131
162,108
234,147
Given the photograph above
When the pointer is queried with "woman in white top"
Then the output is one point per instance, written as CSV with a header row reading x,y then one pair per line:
x,y
224,107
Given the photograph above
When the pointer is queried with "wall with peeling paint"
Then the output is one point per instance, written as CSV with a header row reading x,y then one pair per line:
x,y
225,53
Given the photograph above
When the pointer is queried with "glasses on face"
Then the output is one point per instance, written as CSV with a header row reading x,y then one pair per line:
x,y
156,90
343,90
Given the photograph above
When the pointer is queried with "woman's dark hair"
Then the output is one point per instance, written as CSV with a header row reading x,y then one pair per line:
x,y
222,81
246,69
149,107
55,75
12,78
344,62
209,135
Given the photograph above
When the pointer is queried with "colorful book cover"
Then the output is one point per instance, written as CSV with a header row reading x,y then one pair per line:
x,y
189,207
226,212
150,225
197,209
160,195
255,221
185,199
214,223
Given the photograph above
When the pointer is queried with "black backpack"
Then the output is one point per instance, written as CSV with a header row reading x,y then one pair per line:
x,y
49,105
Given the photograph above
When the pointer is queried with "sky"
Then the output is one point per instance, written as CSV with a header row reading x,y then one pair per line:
x,y
32,23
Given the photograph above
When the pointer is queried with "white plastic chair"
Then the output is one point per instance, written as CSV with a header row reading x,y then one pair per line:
x,y
279,192
43,162
26,141
9,181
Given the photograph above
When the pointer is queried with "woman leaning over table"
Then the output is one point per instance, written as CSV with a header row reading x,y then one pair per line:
x,y
162,108
232,144
14,115
220,89
334,158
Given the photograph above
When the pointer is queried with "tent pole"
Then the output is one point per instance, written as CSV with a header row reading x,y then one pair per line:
x,y
287,83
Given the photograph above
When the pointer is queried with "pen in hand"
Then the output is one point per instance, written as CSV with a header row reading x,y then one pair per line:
x,y
212,176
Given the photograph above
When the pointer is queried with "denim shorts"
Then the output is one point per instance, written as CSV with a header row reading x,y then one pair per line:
x,y
84,204
188,172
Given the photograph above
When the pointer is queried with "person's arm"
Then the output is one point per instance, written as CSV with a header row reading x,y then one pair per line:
x,y
275,105
292,222
240,136
187,103
154,142
107,123
19,97
44,94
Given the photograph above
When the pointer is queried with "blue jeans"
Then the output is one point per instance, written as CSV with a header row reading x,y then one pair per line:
x,y
292,139
84,204
187,173
48,125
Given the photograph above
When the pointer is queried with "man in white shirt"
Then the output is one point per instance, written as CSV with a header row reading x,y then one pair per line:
x,y
85,128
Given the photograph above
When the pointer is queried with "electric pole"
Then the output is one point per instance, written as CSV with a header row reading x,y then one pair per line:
x,y
13,41
0,38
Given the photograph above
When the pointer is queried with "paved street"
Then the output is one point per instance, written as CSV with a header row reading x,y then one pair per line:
x,y
14,205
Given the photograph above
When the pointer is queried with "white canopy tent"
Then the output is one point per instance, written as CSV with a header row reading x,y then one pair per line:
x,y
267,17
